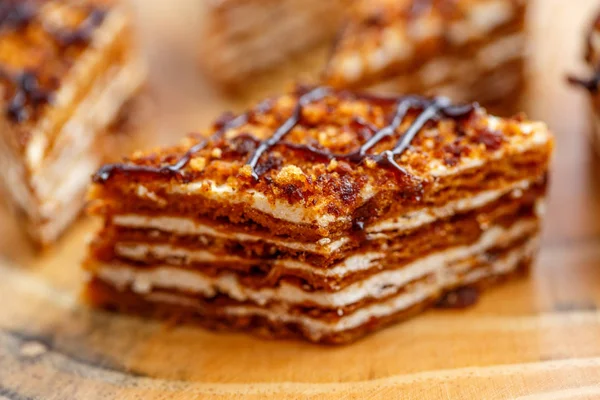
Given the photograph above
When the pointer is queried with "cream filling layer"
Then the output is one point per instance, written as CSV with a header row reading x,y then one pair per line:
x,y
419,218
325,246
443,279
182,256
377,286
188,226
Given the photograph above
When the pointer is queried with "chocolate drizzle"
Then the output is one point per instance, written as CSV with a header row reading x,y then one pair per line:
x,y
590,84
16,14
106,171
288,125
84,31
429,110
29,93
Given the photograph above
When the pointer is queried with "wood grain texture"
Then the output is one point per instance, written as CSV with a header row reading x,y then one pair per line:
x,y
535,338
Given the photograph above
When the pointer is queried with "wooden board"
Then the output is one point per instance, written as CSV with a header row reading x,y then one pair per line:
x,y
533,338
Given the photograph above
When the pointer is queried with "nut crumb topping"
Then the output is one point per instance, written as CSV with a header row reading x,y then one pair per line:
x,y
309,164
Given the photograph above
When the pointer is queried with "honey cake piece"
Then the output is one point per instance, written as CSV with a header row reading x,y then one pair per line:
x,y
244,40
321,213
66,70
591,83
464,49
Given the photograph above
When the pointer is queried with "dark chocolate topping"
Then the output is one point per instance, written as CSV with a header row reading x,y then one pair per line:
x,y
83,34
106,171
16,14
590,84
430,110
288,125
29,92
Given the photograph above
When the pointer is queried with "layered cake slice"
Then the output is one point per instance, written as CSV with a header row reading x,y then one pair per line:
x,y
243,39
592,82
321,213
66,70
465,49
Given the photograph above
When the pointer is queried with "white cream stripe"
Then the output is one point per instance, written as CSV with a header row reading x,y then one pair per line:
x,y
414,219
379,285
417,293
179,255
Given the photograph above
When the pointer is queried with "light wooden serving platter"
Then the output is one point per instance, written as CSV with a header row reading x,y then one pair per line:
x,y
534,338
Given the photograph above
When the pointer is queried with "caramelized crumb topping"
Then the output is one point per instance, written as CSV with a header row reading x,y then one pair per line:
x,y
314,160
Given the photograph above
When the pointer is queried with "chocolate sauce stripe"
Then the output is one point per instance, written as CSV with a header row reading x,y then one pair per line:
x,y
430,109
589,84
107,171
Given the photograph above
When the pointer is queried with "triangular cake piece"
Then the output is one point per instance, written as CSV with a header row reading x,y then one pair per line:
x,y
67,68
464,49
320,213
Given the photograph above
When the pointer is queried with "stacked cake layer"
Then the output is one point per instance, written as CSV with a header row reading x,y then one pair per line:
x,y
66,70
466,50
321,213
243,39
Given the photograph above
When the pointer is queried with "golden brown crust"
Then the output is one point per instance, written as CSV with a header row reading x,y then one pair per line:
x,y
496,175
338,125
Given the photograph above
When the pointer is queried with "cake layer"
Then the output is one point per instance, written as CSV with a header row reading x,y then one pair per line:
x,y
378,285
451,194
500,85
245,38
332,327
458,226
321,190
57,54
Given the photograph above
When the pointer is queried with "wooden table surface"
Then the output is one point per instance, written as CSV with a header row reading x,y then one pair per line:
x,y
532,338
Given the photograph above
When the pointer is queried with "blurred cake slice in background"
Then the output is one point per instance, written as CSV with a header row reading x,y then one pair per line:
x,y
464,49
592,81
243,39
67,69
